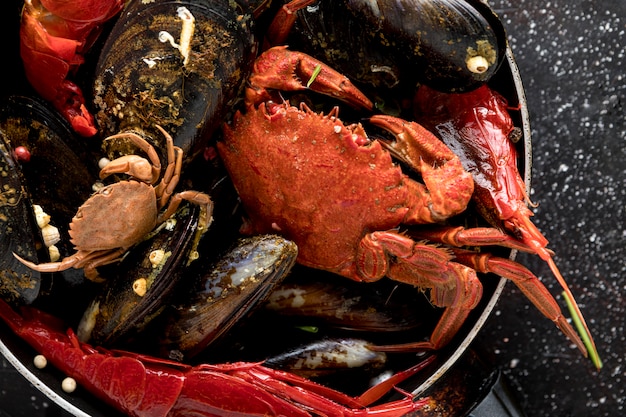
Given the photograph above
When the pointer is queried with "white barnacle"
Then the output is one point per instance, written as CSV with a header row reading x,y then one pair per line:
x,y
186,34
156,257
150,62
50,235
42,217
54,253
97,186
140,286
477,64
169,224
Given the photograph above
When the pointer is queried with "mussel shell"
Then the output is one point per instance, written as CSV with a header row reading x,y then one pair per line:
x,y
385,42
57,177
139,287
19,232
235,285
320,297
326,357
62,168
141,81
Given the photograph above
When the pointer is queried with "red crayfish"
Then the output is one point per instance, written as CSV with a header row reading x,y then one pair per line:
x,y
146,386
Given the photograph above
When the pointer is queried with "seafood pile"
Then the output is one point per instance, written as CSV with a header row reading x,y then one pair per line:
x,y
340,177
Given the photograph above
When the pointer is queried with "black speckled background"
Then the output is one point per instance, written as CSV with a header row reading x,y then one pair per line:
x,y
571,57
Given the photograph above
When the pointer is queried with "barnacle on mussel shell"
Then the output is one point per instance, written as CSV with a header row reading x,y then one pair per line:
x,y
142,283
56,179
451,45
178,64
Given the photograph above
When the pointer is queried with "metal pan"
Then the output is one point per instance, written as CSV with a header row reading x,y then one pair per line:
x,y
507,81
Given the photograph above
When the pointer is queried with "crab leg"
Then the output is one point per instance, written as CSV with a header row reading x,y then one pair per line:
x,y
281,69
86,260
477,125
283,22
448,187
478,236
454,286
527,282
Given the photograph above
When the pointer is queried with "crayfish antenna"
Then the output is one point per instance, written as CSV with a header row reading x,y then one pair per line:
x,y
532,237
377,391
593,351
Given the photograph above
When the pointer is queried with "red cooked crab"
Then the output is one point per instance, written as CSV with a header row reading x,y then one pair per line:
x,y
341,198
339,195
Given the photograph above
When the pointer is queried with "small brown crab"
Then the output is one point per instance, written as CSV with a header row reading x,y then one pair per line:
x,y
121,214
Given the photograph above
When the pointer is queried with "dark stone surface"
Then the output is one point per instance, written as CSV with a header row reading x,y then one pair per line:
x,y
571,57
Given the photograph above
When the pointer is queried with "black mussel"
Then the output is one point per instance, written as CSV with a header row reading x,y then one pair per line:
x,y
62,169
450,45
19,232
178,64
139,287
226,292
50,183
343,304
328,356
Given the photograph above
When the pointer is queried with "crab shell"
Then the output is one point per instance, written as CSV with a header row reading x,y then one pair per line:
x,y
333,186
133,205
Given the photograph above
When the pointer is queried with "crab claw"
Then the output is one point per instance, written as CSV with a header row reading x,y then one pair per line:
x,y
448,187
71,104
281,69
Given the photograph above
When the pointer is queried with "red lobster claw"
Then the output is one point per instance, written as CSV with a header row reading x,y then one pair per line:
x,y
53,38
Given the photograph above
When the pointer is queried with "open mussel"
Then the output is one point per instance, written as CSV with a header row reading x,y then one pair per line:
x,y
450,45
178,64
238,282
52,181
19,232
139,287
